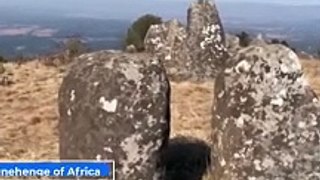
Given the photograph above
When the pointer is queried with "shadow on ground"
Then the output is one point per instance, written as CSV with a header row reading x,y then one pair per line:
x,y
187,158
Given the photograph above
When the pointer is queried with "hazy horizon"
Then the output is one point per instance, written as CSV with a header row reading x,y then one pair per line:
x,y
39,25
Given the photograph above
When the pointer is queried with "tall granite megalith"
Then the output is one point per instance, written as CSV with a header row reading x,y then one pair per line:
x,y
115,106
195,52
266,123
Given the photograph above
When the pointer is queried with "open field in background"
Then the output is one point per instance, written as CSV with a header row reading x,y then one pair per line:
x,y
29,113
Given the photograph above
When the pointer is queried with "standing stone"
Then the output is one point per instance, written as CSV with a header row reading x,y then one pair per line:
x,y
266,118
115,106
194,52
161,37
166,41
206,39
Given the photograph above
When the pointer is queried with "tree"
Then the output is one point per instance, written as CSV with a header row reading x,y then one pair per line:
x,y
244,39
134,39
138,30
75,47
2,69
2,59
275,41
283,42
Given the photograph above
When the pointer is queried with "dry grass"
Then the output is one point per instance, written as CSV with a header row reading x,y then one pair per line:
x,y
312,72
191,109
28,110
28,113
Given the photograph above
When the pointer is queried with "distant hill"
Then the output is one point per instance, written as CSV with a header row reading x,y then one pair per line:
x,y
298,25
35,38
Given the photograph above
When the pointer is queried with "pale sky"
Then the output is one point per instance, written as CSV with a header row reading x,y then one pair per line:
x,y
123,2
295,2
117,8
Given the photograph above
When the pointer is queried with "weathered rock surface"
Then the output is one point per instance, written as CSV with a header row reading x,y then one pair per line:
x,y
166,41
194,52
232,43
266,118
116,106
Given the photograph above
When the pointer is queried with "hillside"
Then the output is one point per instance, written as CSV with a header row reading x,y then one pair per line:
x,y
32,30
29,115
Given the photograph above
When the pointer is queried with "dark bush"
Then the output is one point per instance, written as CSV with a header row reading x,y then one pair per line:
x,y
283,42
2,59
138,30
186,158
275,41
134,39
2,69
75,47
244,39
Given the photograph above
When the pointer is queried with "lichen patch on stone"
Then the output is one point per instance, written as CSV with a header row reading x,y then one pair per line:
x,y
266,118
109,106
69,112
120,111
135,153
72,95
132,73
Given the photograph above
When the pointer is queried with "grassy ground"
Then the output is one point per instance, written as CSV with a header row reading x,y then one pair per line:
x,y
28,110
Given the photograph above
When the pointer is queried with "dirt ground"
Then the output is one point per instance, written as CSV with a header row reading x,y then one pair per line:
x,y
29,116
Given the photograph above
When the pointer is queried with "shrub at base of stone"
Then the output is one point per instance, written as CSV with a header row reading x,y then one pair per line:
x,y
266,123
186,158
115,106
131,49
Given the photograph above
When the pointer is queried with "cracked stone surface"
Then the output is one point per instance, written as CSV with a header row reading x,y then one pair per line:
x,y
266,120
115,106
195,52
232,43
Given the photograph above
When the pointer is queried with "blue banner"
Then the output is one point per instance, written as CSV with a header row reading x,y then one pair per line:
x,y
102,169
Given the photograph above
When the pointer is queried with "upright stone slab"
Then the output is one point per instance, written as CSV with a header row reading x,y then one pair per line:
x,y
161,37
115,106
266,118
194,52
167,42
206,38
